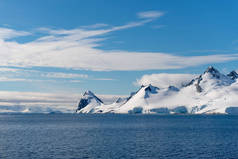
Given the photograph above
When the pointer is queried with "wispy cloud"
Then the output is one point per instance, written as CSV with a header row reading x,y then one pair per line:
x,y
5,69
6,33
104,79
94,26
150,14
16,79
31,75
10,79
78,49
36,97
75,81
65,75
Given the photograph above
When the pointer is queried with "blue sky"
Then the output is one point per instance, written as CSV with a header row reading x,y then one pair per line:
x,y
110,47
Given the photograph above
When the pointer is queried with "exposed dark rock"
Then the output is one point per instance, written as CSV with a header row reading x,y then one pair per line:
x,y
173,88
214,72
119,100
88,96
233,75
151,89
198,88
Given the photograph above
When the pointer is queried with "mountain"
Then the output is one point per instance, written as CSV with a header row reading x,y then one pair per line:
x,y
210,93
88,103
233,75
211,79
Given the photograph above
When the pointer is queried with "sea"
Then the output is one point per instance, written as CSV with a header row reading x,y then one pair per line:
x,y
112,136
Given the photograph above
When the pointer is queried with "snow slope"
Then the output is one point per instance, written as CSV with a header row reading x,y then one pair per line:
x,y
88,103
211,92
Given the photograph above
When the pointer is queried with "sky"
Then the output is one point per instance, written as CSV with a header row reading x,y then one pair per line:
x,y
111,47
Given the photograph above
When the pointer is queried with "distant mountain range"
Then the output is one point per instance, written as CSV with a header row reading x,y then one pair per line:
x,y
210,93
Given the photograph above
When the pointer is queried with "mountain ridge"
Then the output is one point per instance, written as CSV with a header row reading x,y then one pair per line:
x,y
210,93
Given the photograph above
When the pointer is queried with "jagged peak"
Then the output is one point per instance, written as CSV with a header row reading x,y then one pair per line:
x,y
215,74
147,88
234,72
150,88
211,70
88,93
86,99
233,75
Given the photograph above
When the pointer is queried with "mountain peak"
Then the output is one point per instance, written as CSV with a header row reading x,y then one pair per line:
x,y
211,78
210,92
87,98
88,93
151,88
214,72
211,70
233,75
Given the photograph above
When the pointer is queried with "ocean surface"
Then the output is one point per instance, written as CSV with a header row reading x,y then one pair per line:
x,y
108,136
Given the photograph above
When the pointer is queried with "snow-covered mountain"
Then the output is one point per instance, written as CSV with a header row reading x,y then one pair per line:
x,y
211,92
90,101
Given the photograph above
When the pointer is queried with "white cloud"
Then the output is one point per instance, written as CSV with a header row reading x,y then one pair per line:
x,y
76,49
150,14
164,80
15,97
16,79
19,101
78,53
94,26
5,69
65,75
36,97
66,102
104,79
25,75
8,79
75,81
6,33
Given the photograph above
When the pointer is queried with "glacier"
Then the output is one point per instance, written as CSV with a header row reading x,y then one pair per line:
x,y
210,93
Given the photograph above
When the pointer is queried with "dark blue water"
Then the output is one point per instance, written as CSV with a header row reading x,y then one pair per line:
x,y
64,136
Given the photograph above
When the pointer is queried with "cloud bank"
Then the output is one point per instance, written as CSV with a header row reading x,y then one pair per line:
x,y
164,80
44,102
